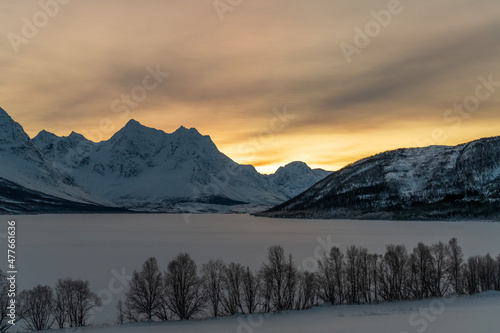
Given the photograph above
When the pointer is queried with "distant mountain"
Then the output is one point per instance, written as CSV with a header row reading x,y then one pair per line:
x,y
21,163
295,177
436,182
145,169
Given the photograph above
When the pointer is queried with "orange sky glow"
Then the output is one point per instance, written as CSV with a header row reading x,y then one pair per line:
x,y
325,82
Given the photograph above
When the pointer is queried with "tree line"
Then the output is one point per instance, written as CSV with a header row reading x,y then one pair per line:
x,y
183,292
357,276
69,304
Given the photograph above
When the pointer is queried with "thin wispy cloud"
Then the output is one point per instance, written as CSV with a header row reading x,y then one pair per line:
x,y
226,76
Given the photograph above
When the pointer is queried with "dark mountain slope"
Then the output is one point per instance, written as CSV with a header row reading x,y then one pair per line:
x,y
436,182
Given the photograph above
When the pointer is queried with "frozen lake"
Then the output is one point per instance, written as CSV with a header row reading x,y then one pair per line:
x,y
100,247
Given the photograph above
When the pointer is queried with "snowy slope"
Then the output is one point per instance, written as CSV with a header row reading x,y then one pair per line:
x,y
15,199
147,169
295,177
69,150
421,183
23,164
478,314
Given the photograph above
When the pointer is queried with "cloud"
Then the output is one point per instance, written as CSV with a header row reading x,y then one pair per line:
x,y
227,76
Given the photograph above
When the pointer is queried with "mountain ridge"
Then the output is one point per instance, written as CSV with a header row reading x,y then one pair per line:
x,y
24,164
187,162
435,182
145,169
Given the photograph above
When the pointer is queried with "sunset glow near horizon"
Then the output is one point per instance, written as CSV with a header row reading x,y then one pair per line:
x,y
322,82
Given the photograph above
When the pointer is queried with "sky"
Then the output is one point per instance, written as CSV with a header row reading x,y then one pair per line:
x,y
324,82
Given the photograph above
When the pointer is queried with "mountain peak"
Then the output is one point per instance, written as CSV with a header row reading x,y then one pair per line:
x,y
4,116
10,131
3,112
184,130
76,136
44,136
132,123
297,165
294,167
136,134
133,127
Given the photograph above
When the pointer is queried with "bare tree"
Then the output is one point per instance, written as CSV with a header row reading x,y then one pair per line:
x,y
331,277
36,308
487,272
74,298
212,281
183,292
374,266
279,279
59,304
273,276
497,283
121,316
250,291
471,274
364,275
337,258
396,262
265,289
352,271
440,281
144,295
232,282
129,315
326,280
306,291
421,275
291,283
455,265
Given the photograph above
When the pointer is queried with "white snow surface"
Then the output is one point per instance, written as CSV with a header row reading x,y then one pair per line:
x,y
21,162
465,314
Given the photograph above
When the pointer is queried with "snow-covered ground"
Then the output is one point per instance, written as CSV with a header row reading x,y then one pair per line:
x,y
465,314
105,249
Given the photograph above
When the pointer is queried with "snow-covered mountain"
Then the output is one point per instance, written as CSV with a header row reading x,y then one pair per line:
x,y
15,199
146,169
295,177
421,183
21,163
